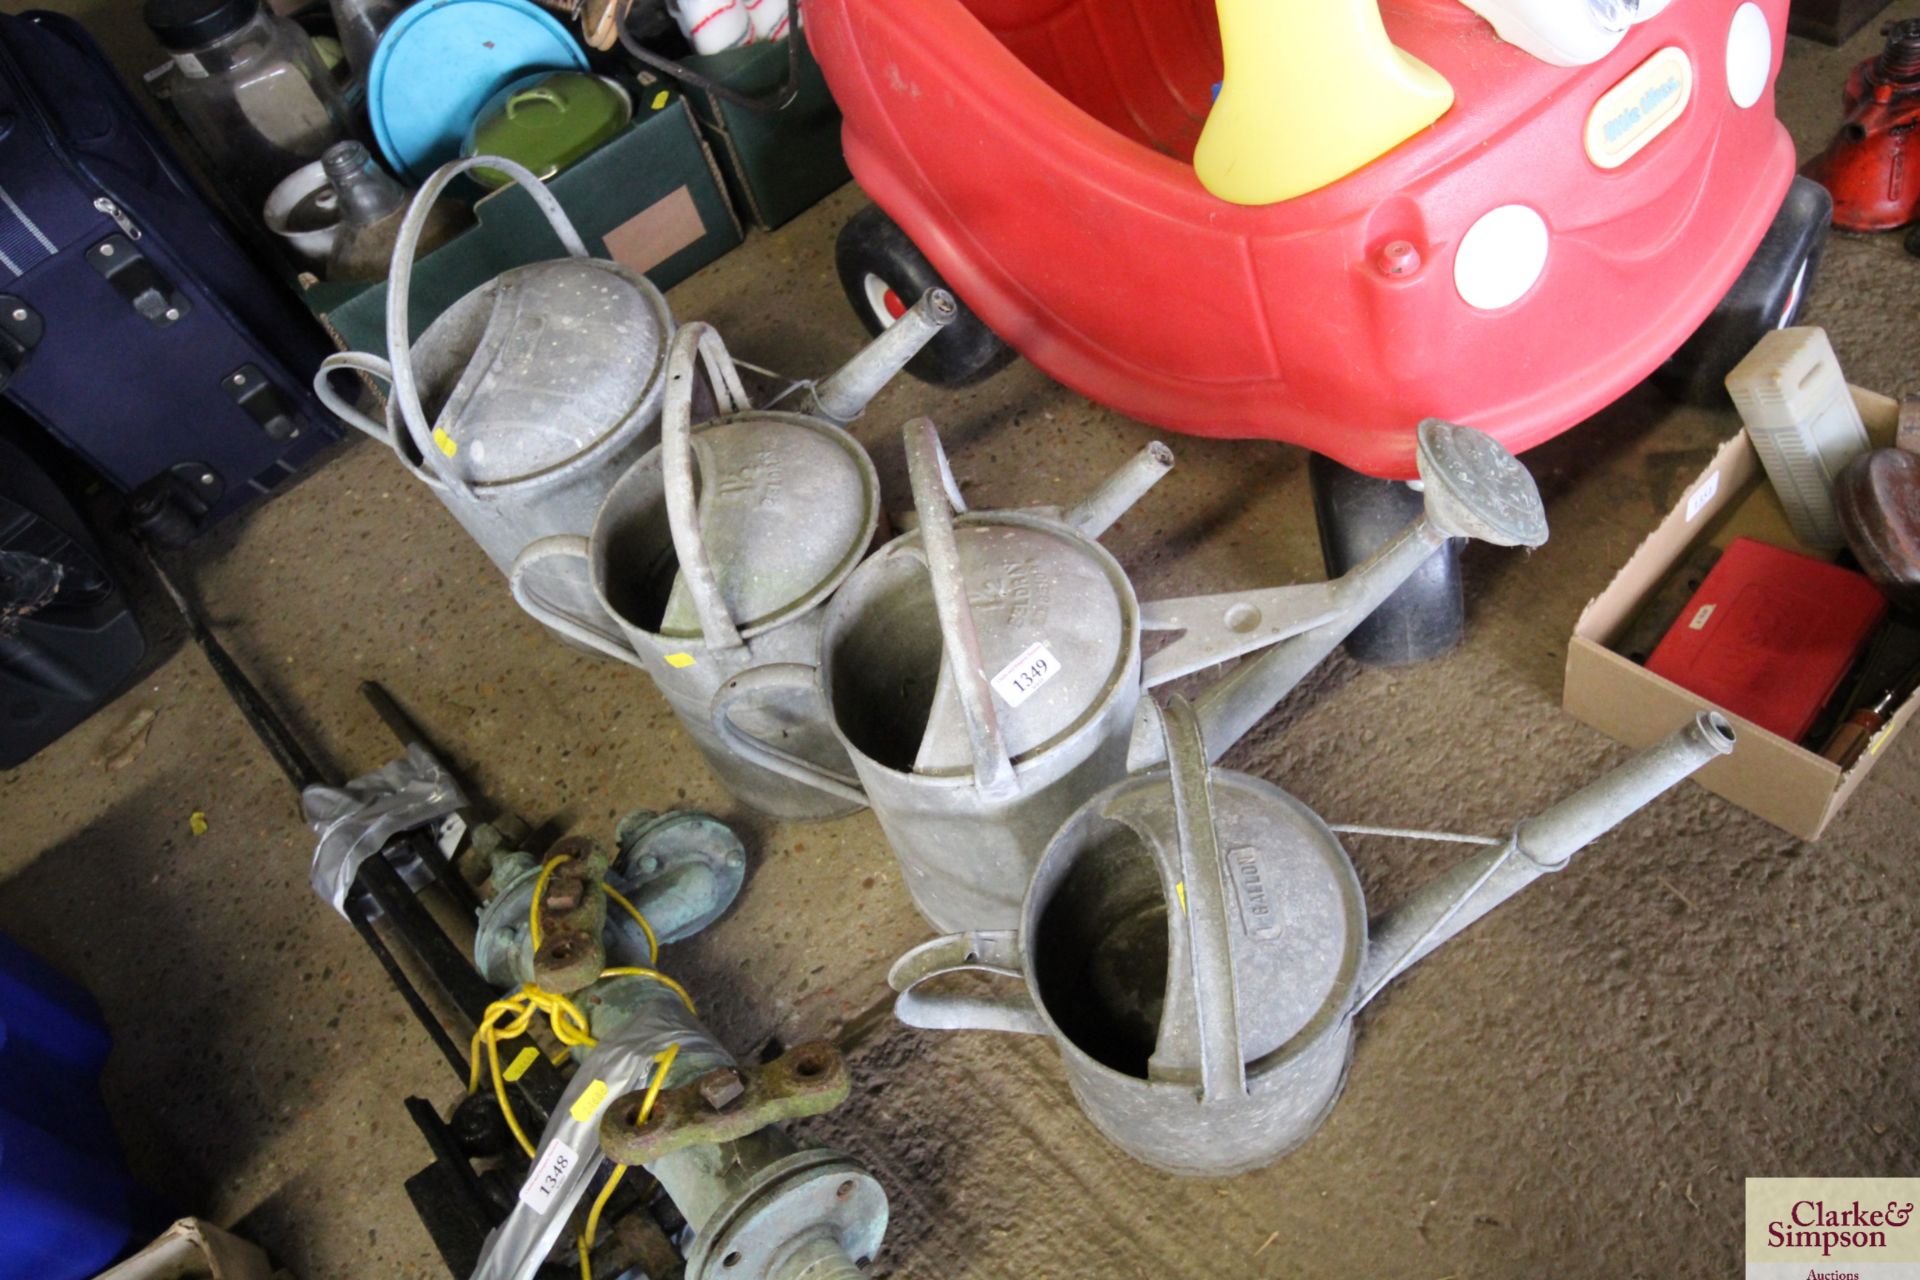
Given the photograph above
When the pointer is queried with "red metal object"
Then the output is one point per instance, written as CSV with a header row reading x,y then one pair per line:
x,y
1770,635
1872,166
1037,151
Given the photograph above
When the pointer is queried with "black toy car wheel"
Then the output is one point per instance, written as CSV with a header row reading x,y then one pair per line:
x,y
884,273
1769,294
1358,515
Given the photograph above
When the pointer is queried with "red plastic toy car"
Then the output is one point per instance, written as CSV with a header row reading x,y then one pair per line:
x,y
1507,267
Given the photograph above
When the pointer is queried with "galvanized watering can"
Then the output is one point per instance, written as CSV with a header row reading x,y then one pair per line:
x,y
526,399
984,676
714,553
1195,943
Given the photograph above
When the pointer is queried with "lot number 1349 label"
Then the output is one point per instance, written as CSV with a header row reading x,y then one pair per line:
x,y
1022,678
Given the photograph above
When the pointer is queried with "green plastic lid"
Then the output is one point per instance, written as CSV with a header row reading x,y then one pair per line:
x,y
547,121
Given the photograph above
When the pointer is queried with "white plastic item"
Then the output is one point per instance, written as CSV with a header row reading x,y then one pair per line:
x,y
712,26
304,212
1566,33
769,19
1803,423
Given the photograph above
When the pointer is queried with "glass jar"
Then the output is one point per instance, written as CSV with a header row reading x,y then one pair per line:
x,y
250,88
360,24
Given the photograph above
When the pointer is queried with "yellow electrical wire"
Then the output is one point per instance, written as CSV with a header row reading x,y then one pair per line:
x,y
657,976
653,940
539,891
510,1017
663,1060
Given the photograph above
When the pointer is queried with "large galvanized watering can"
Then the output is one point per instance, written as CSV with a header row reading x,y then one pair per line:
x,y
525,400
714,553
984,673
1195,943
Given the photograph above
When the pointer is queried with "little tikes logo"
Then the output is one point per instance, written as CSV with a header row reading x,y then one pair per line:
x,y
1832,1229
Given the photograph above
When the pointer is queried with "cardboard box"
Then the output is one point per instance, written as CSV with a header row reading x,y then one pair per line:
x,y
778,164
650,198
1770,777
195,1250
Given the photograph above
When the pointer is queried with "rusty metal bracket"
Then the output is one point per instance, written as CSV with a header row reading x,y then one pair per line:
x,y
726,1104
573,916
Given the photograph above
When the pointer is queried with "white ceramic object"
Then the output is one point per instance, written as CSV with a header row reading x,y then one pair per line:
x,y
309,182
768,19
712,26
1566,33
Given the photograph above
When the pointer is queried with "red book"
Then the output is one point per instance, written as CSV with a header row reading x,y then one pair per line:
x,y
1770,635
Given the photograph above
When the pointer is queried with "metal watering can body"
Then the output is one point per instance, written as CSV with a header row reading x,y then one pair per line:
x,y
714,554
1196,944
961,843
523,402
965,791
984,672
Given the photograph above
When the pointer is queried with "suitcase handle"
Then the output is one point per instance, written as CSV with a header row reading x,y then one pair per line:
x,y
406,390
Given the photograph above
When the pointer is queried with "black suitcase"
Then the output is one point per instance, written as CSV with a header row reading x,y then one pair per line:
x,y
68,641
133,326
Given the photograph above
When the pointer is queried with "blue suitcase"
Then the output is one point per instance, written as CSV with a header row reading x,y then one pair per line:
x,y
133,325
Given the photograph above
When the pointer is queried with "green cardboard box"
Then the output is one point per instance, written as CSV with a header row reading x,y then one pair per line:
x,y
778,164
650,198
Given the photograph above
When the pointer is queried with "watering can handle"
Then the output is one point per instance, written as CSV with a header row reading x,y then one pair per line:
x,y
995,951
566,546
927,469
1203,902
777,676
359,362
406,389
680,468
368,363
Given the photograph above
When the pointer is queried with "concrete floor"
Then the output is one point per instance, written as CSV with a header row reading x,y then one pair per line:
x,y
1578,1086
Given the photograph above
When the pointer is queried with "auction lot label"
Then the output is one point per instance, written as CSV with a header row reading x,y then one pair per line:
x,y
1833,1229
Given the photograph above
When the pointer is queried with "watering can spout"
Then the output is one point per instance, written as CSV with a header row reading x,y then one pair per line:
x,y
1473,488
1096,513
844,395
1539,846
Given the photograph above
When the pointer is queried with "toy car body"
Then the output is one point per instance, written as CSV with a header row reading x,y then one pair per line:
x,y
1038,153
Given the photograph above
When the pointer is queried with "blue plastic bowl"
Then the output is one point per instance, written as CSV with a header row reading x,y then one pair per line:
x,y
441,60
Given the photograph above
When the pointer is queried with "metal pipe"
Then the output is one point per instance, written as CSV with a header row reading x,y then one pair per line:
x,y
1234,705
755,1204
1094,514
444,962
1539,846
842,396
301,769
820,1258
416,1003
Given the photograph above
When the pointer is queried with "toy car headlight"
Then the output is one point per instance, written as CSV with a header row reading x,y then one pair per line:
x,y
1501,257
1749,54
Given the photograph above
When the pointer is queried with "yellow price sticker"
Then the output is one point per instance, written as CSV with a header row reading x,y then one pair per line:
x,y
527,1056
660,99
448,445
679,661
589,1101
